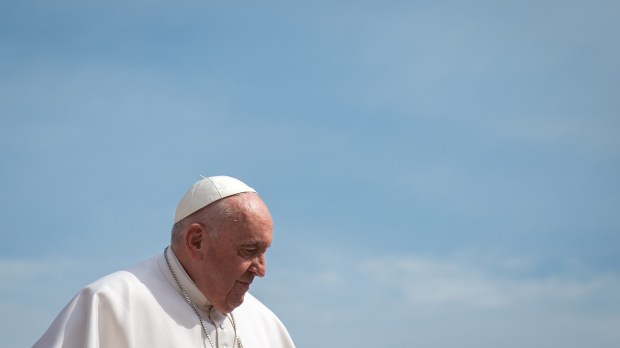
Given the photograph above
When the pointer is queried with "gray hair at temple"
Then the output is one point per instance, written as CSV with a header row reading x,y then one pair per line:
x,y
208,216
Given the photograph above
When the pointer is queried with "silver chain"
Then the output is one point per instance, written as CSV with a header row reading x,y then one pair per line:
x,y
193,307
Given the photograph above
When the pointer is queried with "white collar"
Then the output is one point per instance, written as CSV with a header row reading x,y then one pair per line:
x,y
195,295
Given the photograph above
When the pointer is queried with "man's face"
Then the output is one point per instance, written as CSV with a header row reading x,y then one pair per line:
x,y
237,254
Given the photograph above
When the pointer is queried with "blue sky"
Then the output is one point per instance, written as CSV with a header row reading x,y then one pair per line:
x,y
441,173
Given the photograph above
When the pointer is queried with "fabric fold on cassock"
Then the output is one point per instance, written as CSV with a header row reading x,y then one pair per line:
x,y
142,307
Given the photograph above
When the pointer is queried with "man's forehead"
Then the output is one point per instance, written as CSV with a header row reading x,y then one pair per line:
x,y
245,201
248,227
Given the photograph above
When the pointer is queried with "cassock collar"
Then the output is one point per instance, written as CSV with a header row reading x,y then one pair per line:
x,y
195,295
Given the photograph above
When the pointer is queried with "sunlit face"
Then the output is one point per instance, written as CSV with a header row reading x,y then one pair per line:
x,y
237,255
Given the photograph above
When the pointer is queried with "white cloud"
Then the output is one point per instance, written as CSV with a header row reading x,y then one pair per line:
x,y
33,292
444,283
443,302
19,273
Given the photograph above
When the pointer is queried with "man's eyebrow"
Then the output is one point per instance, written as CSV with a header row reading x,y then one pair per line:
x,y
254,243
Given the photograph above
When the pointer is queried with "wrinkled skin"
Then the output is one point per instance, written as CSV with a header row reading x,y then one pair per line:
x,y
224,267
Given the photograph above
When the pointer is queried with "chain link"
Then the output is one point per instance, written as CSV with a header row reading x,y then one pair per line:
x,y
193,307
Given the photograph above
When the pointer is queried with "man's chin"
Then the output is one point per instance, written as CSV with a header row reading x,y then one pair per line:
x,y
237,295
233,303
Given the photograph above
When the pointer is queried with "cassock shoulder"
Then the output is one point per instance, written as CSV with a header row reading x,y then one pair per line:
x,y
260,326
99,315
117,285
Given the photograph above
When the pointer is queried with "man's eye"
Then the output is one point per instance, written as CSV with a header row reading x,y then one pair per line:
x,y
247,252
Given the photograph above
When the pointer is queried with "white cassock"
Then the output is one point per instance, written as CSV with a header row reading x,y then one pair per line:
x,y
142,307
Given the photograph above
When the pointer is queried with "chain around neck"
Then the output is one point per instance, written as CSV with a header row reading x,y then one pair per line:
x,y
193,307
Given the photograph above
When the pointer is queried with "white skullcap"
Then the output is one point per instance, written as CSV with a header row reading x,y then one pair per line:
x,y
207,191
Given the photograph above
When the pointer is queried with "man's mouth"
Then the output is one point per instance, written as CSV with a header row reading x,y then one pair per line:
x,y
245,285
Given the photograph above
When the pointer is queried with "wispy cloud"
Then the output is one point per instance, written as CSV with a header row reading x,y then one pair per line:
x,y
494,300
19,274
429,282
32,292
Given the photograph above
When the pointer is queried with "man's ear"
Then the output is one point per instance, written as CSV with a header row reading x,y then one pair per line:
x,y
194,241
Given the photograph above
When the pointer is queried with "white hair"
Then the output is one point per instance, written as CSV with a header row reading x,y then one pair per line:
x,y
208,216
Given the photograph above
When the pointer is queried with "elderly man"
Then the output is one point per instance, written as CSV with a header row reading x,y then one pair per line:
x,y
194,294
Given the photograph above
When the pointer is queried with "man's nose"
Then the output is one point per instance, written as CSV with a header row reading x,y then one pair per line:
x,y
259,266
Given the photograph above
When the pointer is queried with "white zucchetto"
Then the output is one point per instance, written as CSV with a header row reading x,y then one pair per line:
x,y
207,191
